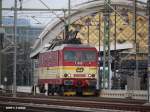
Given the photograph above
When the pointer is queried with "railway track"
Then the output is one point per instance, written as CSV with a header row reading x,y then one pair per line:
x,y
48,108
101,99
29,107
79,103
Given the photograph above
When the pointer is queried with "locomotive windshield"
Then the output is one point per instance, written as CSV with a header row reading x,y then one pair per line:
x,y
83,55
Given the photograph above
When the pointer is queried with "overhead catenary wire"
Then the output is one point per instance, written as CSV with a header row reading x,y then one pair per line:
x,y
33,17
54,10
51,10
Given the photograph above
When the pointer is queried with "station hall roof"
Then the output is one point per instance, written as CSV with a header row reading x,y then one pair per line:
x,y
93,10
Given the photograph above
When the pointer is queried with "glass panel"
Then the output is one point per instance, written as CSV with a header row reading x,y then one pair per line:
x,y
89,55
69,56
83,55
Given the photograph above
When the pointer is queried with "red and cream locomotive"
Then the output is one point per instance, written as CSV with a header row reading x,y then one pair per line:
x,y
69,69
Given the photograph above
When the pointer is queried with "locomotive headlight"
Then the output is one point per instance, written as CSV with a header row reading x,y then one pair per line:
x,y
89,75
93,75
65,75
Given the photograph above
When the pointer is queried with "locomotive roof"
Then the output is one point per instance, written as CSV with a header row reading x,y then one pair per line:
x,y
69,45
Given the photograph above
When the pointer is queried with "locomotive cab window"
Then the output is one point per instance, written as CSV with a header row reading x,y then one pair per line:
x,y
69,56
89,56
82,55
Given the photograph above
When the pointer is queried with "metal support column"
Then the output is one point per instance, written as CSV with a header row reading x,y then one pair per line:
x,y
115,52
99,79
15,48
64,33
0,42
0,13
88,41
148,6
69,12
106,42
135,39
67,23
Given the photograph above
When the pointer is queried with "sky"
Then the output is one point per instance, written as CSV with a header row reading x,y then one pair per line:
x,y
37,3
34,4
38,18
